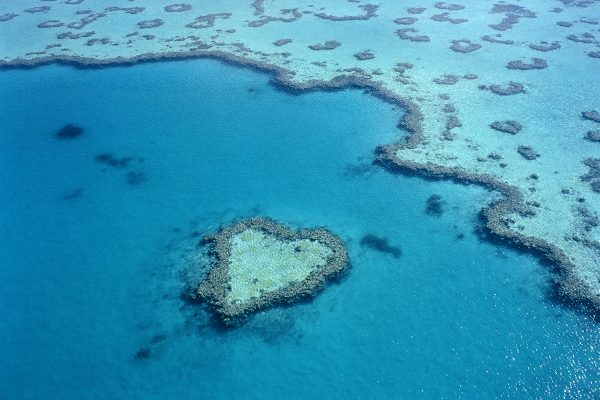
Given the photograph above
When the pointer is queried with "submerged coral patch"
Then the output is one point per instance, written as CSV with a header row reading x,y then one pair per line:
x,y
583,38
593,136
259,263
110,160
143,353
527,152
281,42
407,34
536,63
71,35
74,194
405,20
442,5
416,10
434,205
508,89
153,23
69,131
445,17
564,24
50,24
545,46
497,39
39,9
364,55
509,126
512,13
328,45
464,46
369,12
8,17
593,175
208,20
447,80
591,115
135,178
179,7
381,245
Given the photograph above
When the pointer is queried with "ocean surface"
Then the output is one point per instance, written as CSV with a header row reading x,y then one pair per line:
x,y
99,241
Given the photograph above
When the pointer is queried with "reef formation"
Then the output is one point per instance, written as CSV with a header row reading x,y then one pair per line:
x,y
329,52
259,263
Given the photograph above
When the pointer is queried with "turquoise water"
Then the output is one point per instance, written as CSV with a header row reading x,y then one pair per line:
x,y
92,265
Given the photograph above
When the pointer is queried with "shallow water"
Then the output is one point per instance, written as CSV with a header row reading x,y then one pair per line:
x,y
92,266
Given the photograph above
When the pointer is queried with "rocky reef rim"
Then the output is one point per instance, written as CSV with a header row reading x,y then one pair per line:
x,y
213,289
567,290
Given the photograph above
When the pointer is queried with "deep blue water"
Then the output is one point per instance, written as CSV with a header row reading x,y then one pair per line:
x,y
94,257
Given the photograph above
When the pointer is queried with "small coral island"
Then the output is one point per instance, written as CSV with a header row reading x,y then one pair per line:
x,y
258,263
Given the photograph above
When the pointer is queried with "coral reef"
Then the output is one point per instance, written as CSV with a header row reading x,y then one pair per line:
x,y
508,126
405,34
405,20
545,46
364,55
495,39
293,15
509,89
449,108
259,263
281,42
143,353
416,10
442,5
464,46
75,194
527,152
369,12
50,24
537,63
445,17
593,136
128,10
88,19
69,131
381,245
328,45
8,16
148,24
512,14
71,35
135,178
207,21
564,24
447,80
593,175
259,7
434,205
473,158
179,7
109,159
38,9
591,115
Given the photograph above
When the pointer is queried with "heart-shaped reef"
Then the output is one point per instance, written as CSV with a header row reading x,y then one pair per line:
x,y
258,263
